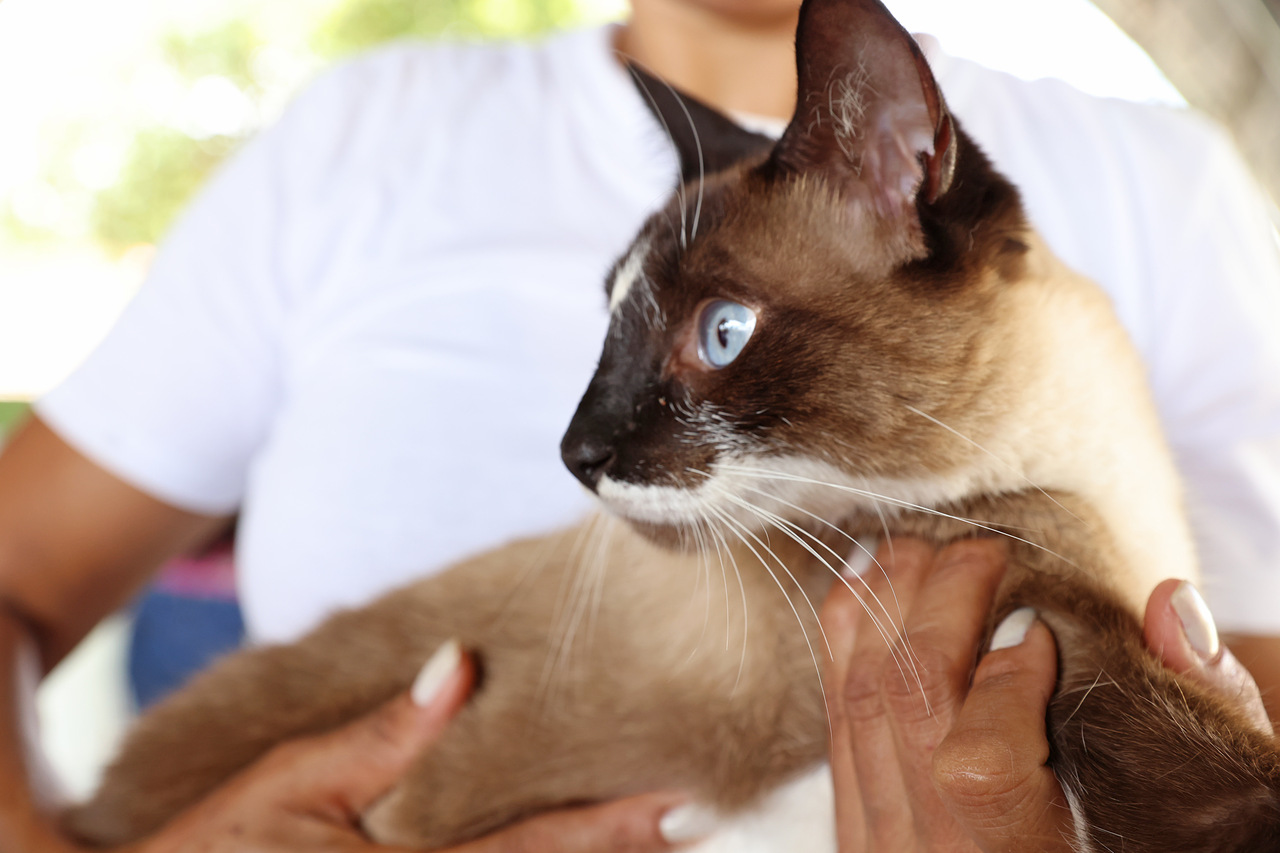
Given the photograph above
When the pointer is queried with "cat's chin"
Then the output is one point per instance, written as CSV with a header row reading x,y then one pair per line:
x,y
670,536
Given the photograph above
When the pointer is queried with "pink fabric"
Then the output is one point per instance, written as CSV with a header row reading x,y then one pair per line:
x,y
208,575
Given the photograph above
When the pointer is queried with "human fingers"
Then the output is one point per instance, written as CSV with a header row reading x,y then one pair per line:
x,y
339,774
879,657
943,629
308,793
840,614
990,770
1180,631
643,824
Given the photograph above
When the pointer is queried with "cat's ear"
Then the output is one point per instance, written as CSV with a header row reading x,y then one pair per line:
x,y
869,118
706,140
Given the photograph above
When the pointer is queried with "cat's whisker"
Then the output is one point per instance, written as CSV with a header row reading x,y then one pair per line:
x,y
738,529
899,635
888,543
781,564
680,194
724,577
897,604
704,573
598,577
585,580
723,546
852,539
766,474
778,519
563,615
1003,462
697,141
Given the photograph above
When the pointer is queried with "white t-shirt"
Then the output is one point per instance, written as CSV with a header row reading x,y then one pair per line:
x,y
373,326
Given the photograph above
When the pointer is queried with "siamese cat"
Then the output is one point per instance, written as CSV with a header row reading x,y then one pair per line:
x,y
854,331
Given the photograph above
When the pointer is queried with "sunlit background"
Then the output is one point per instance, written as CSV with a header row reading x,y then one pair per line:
x,y
113,113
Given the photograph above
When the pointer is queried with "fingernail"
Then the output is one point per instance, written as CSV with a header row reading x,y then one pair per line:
x,y
861,557
435,673
687,823
1197,622
1013,630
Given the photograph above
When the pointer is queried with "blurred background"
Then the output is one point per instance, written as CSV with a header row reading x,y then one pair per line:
x,y
112,115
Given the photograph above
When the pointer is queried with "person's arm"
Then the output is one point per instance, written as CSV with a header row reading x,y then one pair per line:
x,y
75,543
969,772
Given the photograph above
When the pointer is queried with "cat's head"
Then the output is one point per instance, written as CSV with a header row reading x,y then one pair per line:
x,y
813,311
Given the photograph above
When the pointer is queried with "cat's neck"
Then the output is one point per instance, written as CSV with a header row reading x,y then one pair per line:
x,y
1072,417
1080,422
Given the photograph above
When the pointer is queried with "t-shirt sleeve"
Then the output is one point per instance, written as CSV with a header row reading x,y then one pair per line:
x,y
1216,374
182,391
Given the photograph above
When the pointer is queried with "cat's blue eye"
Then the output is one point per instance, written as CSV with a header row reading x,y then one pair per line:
x,y
723,330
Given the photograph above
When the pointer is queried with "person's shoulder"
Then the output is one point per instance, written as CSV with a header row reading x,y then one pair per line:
x,y
1058,117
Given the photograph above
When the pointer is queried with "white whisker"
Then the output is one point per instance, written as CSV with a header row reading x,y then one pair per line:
x,y
736,528
680,194
766,474
898,635
1007,465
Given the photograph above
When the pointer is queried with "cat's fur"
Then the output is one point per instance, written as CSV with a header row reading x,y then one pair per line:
x,y
915,340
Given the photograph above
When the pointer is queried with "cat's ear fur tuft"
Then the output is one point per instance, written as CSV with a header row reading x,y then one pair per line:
x,y
706,140
869,117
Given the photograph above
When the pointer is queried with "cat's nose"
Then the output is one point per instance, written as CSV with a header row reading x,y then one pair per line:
x,y
588,458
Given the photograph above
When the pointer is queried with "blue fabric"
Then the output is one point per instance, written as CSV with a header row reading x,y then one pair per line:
x,y
174,637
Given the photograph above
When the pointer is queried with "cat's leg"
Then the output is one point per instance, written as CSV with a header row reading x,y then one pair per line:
x,y
1150,761
235,713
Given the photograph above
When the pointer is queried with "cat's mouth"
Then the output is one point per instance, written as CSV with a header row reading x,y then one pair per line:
x,y
739,495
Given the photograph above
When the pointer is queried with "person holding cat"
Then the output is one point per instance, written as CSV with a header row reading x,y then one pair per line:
x,y
434,282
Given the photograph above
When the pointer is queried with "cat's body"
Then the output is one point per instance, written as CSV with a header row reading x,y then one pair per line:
x,y
906,336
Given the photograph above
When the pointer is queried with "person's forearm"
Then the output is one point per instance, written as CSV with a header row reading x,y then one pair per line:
x,y
23,827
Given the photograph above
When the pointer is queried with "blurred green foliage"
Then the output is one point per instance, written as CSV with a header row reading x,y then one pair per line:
x,y
360,24
10,414
226,51
165,165
164,168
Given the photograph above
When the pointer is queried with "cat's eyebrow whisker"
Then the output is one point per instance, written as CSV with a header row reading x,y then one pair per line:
x,y
697,141
680,194
1008,465
766,474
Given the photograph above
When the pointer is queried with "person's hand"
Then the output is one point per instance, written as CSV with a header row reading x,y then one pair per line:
x,y
308,794
924,760
1180,631
897,706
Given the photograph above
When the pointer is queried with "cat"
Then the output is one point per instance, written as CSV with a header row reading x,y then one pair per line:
x,y
854,331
